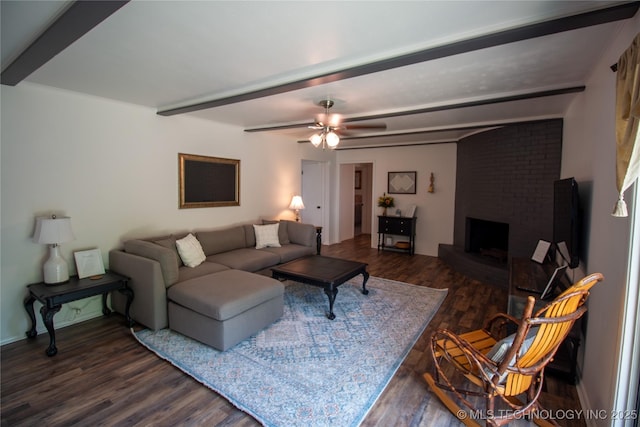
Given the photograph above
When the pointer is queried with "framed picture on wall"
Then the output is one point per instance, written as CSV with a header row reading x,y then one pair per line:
x,y
358,180
402,183
208,181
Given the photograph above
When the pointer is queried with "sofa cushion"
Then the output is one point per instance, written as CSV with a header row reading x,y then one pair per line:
x,y
186,273
250,236
190,251
302,234
166,257
267,236
225,294
247,259
169,242
291,251
218,241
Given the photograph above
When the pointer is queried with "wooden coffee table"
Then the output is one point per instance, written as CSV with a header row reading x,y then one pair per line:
x,y
322,271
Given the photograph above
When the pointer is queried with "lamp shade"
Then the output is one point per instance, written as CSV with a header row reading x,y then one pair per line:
x,y
296,203
332,139
53,230
316,139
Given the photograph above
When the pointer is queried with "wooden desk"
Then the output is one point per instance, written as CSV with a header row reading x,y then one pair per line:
x,y
527,273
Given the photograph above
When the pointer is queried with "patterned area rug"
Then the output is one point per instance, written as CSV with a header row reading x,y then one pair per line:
x,y
307,370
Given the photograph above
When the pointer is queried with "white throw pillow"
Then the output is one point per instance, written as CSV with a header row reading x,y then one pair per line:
x,y
267,236
190,251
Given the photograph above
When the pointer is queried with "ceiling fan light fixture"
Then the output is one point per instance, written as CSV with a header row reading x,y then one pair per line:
x,y
332,139
316,139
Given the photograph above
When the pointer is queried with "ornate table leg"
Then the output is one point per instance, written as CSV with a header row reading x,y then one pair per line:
x,y
105,308
331,292
28,305
129,294
47,317
365,275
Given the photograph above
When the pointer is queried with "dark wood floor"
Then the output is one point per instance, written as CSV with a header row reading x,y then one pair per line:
x,y
102,376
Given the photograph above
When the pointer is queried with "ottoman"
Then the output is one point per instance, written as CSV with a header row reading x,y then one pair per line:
x,y
224,308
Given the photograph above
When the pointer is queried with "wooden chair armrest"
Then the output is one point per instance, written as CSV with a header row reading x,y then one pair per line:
x,y
499,322
453,347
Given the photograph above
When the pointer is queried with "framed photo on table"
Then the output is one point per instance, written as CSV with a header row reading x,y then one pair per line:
x,y
89,263
402,183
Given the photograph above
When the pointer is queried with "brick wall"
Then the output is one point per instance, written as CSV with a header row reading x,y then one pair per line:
x,y
506,175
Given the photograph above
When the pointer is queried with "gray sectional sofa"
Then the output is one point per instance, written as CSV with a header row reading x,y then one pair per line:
x,y
224,299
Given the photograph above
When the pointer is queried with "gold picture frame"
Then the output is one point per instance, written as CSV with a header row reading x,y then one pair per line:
x,y
206,182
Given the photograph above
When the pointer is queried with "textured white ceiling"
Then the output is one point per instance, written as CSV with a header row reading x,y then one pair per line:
x,y
164,54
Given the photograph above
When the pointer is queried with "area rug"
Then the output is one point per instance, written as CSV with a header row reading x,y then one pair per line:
x,y
307,370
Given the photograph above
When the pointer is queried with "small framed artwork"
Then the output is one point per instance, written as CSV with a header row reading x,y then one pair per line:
x,y
89,263
402,183
208,181
358,180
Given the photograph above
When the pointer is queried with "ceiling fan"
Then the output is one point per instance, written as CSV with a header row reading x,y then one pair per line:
x,y
329,127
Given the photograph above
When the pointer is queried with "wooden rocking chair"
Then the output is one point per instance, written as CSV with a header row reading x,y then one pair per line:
x,y
510,369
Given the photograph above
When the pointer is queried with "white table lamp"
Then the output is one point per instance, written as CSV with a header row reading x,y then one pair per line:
x,y
296,205
53,231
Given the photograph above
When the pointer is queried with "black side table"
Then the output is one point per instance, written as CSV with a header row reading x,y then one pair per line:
x,y
53,296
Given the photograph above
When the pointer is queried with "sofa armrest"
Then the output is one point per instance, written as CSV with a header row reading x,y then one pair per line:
x,y
149,305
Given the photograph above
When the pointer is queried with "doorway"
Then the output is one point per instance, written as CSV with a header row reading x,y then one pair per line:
x,y
363,199
355,199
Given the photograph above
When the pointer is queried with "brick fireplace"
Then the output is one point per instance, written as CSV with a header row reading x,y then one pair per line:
x,y
504,176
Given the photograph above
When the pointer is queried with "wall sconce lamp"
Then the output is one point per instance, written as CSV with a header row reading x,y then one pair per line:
x,y
53,231
431,181
296,205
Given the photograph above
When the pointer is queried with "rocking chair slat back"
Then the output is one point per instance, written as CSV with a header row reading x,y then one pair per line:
x,y
556,320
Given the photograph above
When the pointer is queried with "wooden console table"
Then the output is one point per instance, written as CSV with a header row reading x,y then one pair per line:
x,y
527,273
53,296
398,226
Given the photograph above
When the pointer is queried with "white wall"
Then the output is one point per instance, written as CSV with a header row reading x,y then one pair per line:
x,y
113,168
589,155
434,210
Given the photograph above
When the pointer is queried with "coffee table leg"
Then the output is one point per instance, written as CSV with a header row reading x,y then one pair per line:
x,y
47,318
365,275
331,293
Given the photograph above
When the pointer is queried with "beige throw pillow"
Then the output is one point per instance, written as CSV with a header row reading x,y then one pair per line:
x,y
190,251
267,236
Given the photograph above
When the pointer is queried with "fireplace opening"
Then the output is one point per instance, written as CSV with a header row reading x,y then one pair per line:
x,y
487,238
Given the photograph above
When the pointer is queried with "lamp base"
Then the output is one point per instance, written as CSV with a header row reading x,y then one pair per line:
x,y
55,268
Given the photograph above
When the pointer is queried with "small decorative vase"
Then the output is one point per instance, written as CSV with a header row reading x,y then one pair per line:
x,y
384,211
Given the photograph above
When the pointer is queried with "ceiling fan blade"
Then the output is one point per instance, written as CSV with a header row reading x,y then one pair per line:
x,y
364,126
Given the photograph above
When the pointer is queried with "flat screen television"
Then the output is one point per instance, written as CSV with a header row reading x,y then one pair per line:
x,y
566,220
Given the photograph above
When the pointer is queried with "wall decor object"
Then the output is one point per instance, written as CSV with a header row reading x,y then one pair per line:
x,y
402,183
358,185
89,263
208,181
431,181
